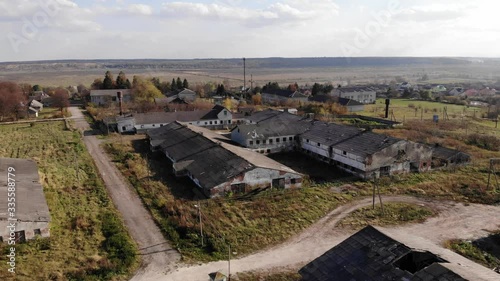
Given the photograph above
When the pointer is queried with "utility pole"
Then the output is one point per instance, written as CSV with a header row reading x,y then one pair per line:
x,y
201,224
229,263
244,74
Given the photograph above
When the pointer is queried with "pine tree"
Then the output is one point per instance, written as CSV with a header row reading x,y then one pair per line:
x,y
108,82
185,83
121,81
179,83
173,86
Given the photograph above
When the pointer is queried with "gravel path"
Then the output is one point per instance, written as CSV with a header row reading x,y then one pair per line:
x,y
158,257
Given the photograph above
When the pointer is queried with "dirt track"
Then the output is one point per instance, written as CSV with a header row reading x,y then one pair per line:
x,y
455,220
157,254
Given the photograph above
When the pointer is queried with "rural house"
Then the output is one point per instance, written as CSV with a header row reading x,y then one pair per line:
x,y
32,215
371,254
216,166
271,96
351,105
187,95
106,97
365,95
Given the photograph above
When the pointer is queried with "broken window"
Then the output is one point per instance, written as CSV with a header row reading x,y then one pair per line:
x,y
37,231
238,188
279,183
251,142
20,236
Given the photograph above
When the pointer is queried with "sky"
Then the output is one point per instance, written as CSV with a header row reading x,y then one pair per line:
x,y
186,29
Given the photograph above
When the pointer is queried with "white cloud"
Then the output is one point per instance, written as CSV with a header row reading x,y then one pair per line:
x,y
140,9
280,12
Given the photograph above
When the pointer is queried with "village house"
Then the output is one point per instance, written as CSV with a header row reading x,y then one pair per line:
x,y
32,215
106,97
216,118
365,95
216,166
373,254
276,96
351,105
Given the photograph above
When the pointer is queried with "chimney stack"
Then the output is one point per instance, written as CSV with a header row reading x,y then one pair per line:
x,y
387,102
119,94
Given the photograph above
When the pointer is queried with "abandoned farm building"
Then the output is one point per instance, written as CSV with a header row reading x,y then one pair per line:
x,y
371,254
364,153
216,166
216,118
359,152
31,215
271,131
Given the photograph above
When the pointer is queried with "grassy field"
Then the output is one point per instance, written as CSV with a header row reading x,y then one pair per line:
x,y
487,257
88,240
394,213
407,109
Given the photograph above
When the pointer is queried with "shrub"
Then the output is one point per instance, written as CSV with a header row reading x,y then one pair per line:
x,y
484,141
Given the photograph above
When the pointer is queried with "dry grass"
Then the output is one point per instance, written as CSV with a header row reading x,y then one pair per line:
x,y
394,213
76,206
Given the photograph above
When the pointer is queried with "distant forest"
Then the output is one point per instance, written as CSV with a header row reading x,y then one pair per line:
x,y
238,63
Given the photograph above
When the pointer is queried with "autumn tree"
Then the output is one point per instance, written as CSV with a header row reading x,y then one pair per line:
x,y
97,84
228,103
12,100
257,99
122,82
143,90
60,99
108,82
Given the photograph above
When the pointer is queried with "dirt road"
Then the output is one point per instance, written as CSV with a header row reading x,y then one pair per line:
x,y
454,221
158,257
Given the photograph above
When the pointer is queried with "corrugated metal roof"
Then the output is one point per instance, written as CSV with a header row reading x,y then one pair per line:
x,y
168,117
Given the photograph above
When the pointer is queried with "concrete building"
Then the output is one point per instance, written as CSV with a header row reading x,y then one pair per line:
x,y
216,166
31,213
270,131
364,153
373,254
216,118
106,97
365,95
351,105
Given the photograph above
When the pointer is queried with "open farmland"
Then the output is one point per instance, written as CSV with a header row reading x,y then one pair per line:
x,y
84,223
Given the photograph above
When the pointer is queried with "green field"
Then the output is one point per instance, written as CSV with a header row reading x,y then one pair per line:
x,y
407,109
88,240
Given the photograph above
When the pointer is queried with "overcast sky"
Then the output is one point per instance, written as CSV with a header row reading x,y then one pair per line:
x,y
126,29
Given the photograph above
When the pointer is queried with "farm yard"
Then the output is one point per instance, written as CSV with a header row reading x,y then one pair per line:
x,y
88,240
259,221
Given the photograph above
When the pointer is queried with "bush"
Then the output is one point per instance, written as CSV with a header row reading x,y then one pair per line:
x,y
484,141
